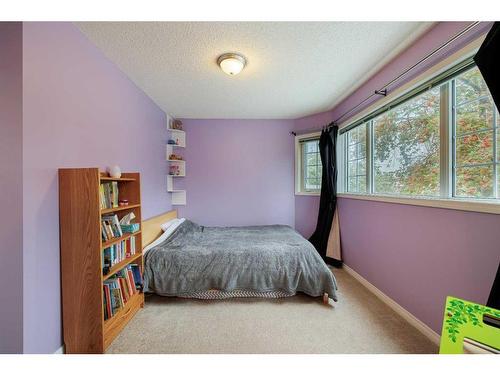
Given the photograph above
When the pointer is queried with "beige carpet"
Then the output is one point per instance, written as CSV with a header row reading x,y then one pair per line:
x,y
358,323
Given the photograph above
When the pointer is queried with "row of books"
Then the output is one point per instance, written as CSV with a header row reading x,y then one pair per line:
x,y
116,253
118,290
110,227
108,194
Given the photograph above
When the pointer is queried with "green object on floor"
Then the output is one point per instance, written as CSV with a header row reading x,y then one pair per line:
x,y
464,320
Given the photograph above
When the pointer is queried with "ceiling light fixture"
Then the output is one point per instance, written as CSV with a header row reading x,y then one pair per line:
x,y
231,63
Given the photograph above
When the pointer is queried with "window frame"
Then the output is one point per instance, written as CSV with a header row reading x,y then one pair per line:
x,y
366,158
299,164
441,75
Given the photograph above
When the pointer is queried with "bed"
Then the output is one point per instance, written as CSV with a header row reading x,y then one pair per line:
x,y
193,261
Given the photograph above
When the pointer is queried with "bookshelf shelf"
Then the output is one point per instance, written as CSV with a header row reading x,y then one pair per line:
x,y
121,179
85,329
120,208
117,267
118,239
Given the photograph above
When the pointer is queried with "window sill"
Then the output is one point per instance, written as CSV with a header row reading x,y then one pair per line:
x,y
308,193
485,206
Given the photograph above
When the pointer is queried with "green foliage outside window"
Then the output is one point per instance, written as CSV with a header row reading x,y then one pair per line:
x,y
406,143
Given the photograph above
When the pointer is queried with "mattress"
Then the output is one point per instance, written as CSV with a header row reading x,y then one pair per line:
x,y
235,261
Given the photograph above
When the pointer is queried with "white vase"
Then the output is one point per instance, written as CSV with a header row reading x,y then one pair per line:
x,y
114,171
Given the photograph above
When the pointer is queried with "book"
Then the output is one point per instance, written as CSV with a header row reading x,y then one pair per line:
x,y
136,271
117,253
108,194
118,290
110,227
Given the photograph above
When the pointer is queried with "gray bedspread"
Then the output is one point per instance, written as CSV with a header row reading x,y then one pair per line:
x,y
260,258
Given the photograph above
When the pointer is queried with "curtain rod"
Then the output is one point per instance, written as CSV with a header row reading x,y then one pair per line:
x,y
383,90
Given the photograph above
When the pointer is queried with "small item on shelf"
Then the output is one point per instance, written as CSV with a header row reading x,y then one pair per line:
x,y
174,170
174,157
171,142
130,228
127,218
123,202
177,125
114,171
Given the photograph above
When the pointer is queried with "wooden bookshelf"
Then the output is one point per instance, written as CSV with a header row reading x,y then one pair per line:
x,y
84,327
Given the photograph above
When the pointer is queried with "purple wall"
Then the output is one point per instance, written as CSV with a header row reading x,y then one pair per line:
x,y
416,255
239,172
420,255
79,111
11,198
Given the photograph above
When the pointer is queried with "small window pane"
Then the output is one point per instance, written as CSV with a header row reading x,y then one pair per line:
x,y
361,167
352,186
475,115
361,150
475,182
356,159
312,159
353,152
353,136
475,149
310,146
362,184
311,166
470,85
353,168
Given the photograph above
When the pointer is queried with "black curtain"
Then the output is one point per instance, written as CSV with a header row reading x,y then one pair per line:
x,y
488,61
328,198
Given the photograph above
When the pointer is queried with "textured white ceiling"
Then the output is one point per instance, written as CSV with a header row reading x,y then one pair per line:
x,y
294,68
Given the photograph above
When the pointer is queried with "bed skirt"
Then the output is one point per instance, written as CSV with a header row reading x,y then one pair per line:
x,y
224,294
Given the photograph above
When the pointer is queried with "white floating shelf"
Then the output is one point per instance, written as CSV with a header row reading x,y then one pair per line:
x,y
177,131
179,136
179,198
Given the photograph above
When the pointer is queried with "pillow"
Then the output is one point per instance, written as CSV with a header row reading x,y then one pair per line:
x,y
167,224
171,229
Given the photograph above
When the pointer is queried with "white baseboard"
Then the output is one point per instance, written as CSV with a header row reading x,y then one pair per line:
x,y
60,350
405,314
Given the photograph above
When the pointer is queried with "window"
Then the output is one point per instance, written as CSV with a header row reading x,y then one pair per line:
x,y
440,140
406,147
308,164
356,159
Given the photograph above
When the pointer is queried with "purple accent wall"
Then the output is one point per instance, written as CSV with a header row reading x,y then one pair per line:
x,y
11,198
420,255
80,110
416,255
239,172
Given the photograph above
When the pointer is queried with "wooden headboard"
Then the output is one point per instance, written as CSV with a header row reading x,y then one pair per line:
x,y
151,229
